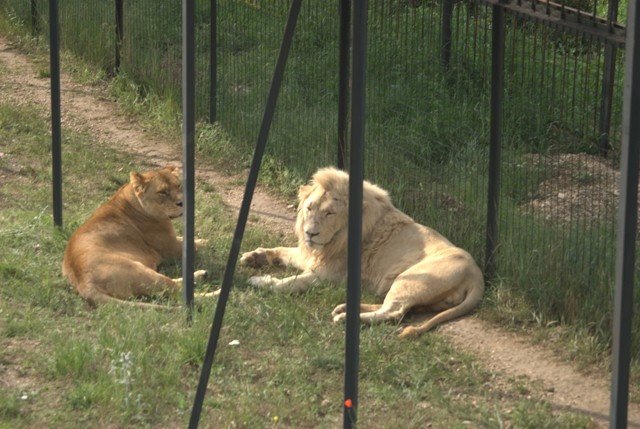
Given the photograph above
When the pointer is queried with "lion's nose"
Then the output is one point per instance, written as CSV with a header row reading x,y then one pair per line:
x,y
311,234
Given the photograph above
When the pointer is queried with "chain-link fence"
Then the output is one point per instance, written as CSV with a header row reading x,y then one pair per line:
x,y
427,123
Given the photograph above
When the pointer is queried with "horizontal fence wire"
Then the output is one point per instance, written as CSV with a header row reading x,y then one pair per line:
x,y
427,118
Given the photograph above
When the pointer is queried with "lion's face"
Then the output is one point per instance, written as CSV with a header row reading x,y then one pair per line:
x,y
322,215
159,192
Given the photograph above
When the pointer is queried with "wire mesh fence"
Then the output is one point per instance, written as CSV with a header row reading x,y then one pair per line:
x,y
427,124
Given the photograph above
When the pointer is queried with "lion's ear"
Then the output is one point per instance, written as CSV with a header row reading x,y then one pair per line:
x,y
304,191
137,181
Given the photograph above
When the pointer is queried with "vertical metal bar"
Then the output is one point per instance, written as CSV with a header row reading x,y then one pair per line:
x,y
447,19
608,80
35,17
213,63
261,143
56,128
497,86
119,32
627,224
188,151
356,174
343,80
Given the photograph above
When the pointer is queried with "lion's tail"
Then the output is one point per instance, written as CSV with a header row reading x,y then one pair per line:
x,y
472,299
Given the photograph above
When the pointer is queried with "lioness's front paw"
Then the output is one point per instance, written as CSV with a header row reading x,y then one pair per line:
x,y
207,294
256,258
198,242
261,280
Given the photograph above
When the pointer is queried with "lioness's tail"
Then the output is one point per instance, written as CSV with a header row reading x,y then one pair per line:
x,y
97,297
473,298
103,298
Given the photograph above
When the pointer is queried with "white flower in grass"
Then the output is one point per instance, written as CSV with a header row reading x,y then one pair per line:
x,y
122,370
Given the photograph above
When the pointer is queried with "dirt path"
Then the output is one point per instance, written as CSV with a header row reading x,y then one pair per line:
x,y
504,354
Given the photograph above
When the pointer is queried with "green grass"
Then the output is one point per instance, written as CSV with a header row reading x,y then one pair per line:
x,y
70,366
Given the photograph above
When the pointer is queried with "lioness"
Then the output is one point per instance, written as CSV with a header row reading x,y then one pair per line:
x,y
114,255
410,265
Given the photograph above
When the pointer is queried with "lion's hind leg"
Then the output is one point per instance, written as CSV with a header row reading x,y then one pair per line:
x,y
422,286
373,313
364,308
452,290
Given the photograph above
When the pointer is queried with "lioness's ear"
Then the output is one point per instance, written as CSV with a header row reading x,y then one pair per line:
x,y
137,181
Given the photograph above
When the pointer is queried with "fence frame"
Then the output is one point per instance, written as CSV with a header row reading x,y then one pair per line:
x,y
630,159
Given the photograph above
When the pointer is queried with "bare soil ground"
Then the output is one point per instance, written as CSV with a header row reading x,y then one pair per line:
x,y
506,355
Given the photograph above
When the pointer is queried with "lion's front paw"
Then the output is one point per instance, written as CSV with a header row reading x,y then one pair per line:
x,y
200,242
256,258
339,313
261,281
200,274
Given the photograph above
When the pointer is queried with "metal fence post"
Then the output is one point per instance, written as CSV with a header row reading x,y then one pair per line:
x,y
627,225
343,81
188,150
35,17
608,75
119,32
447,19
56,128
356,175
497,87
213,62
608,79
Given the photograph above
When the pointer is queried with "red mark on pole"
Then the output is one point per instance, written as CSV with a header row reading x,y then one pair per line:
x,y
348,403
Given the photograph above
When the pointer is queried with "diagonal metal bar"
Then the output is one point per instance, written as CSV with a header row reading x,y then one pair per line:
x,y
627,225
356,175
244,211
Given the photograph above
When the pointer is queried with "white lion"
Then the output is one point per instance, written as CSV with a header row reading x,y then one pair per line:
x,y
410,265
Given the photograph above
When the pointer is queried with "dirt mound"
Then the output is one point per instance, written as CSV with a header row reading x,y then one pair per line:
x,y
574,187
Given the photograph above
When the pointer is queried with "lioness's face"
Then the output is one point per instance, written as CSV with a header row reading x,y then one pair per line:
x,y
159,192
321,216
